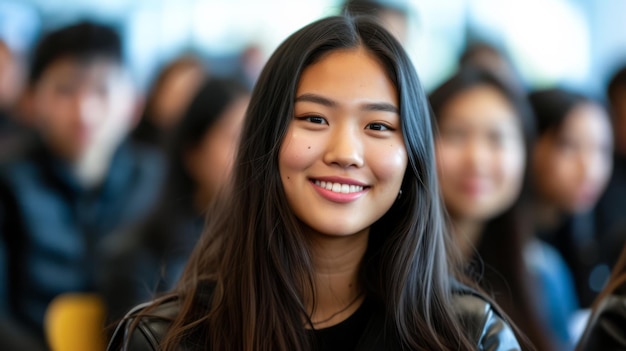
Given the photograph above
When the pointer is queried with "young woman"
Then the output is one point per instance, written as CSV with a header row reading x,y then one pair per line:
x,y
485,132
333,237
149,257
571,166
606,329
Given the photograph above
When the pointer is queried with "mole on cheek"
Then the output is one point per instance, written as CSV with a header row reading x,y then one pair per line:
x,y
309,147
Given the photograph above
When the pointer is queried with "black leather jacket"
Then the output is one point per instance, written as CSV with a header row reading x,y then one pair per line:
x,y
606,329
484,323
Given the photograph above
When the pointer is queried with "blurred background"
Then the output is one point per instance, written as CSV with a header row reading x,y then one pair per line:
x,y
572,42
194,63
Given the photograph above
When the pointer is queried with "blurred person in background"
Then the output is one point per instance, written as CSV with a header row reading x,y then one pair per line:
x,y
173,88
571,165
485,132
149,258
610,212
606,328
490,57
80,181
251,62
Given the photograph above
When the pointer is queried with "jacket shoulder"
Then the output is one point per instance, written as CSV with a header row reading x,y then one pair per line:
x,y
144,327
483,322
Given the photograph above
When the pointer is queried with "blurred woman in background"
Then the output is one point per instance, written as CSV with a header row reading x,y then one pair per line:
x,y
571,165
485,131
150,258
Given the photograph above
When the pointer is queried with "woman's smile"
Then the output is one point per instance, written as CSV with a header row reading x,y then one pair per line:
x,y
341,190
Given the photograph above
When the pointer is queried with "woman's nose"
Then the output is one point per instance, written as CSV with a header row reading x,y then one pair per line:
x,y
345,148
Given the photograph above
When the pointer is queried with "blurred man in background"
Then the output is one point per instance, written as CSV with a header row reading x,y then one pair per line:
x,y
80,181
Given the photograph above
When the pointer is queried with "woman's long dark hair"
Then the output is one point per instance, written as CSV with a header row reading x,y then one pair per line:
x,y
500,265
254,249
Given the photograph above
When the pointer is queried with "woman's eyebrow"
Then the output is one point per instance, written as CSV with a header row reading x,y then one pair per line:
x,y
380,106
374,106
317,99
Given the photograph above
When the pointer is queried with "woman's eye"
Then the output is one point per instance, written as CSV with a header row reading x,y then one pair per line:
x,y
313,119
378,126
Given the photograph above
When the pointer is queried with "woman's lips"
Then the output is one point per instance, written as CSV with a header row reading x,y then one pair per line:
x,y
342,191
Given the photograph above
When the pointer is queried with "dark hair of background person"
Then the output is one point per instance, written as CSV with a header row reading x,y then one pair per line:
x,y
474,50
165,234
500,265
84,40
493,58
255,249
615,93
147,130
617,82
552,107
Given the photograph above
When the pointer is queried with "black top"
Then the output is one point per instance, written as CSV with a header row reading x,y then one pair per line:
x,y
345,335
363,331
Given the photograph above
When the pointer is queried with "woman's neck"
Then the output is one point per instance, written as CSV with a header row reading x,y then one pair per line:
x,y
467,233
338,290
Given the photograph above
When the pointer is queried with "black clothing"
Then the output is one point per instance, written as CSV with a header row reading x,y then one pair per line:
x,y
345,335
482,322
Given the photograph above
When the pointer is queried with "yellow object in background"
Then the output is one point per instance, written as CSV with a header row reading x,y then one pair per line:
x,y
75,322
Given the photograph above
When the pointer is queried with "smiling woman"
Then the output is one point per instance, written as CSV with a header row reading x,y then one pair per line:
x,y
333,237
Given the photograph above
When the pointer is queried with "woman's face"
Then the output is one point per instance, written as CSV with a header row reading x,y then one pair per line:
x,y
210,163
571,166
343,158
480,154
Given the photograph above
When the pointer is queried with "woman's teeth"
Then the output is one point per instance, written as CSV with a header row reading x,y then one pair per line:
x,y
338,187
